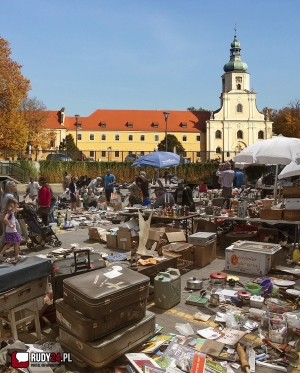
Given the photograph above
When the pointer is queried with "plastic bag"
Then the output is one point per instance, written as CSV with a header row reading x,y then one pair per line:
x,y
184,329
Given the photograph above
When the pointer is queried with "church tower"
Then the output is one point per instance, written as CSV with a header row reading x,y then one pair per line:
x,y
237,123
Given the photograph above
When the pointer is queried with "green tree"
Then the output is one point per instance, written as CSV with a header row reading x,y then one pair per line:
x,y
192,108
68,147
287,120
13,88
172,142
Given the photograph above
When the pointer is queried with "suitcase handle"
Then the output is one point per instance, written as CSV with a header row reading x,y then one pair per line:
x,y
24,290
82,265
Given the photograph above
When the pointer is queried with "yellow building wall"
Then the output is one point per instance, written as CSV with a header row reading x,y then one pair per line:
x,y
110,145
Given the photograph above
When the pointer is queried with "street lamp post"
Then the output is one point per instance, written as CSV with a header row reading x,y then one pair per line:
x,y
166,115
78,126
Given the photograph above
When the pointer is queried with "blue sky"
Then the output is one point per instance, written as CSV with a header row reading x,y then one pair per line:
x,y
86,55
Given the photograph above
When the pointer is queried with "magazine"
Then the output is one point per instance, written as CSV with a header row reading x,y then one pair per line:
x,y
177,355
155,342
177,338
138,360
151,369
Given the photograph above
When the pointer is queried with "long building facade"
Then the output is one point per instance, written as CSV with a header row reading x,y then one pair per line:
x,y
110,135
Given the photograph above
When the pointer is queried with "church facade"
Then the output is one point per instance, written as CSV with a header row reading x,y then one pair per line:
x,y
221,134
238,123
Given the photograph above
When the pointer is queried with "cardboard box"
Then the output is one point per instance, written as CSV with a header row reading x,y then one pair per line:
x,y
167,232
202,238
111,241
124,240
201,255
249,258
97,234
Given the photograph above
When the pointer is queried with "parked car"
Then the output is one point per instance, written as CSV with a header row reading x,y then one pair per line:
x,y
84,158
58,157
131,157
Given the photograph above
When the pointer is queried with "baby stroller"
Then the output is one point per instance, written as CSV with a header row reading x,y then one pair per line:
x,y
37,232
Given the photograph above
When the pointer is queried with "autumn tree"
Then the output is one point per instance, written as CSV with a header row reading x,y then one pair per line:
x,y
35,116
287,120
172,142
13,88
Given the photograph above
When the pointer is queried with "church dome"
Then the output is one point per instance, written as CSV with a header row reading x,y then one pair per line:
x,y
235,63
235,43
235,66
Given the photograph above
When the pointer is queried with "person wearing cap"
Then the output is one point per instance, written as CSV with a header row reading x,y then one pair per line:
x,y
93,184
227,176
163,198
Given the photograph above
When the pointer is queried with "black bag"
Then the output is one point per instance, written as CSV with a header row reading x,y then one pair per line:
x,y
43,210
65,268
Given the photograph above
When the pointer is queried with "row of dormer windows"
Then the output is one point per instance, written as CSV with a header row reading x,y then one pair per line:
x,y
239,135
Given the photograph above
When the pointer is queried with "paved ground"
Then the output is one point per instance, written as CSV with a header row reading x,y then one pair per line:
x,y
181,313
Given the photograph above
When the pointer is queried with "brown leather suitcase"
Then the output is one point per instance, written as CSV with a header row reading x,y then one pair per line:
x,y
90,329
22,294
104,291
102,351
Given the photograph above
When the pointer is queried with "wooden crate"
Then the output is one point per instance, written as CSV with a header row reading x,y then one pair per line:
x,y
290,191
291,215
271,214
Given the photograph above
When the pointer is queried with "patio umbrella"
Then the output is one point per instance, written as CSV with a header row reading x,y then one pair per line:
x,y
292,169
157,160
279,150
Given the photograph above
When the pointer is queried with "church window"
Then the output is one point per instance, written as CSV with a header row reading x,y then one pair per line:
x,y
79,137
156,137
261,135
218,134
92,137
238,87
218,150
142,137
184,138
103,137
239,134
239,108
117,137
130,138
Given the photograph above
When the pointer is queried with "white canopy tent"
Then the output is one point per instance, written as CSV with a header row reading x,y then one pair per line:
x,y
278,150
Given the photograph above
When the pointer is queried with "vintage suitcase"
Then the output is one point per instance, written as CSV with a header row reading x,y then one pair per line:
x,y
90,329
104,291
14,297
83,261
26,270
102,351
